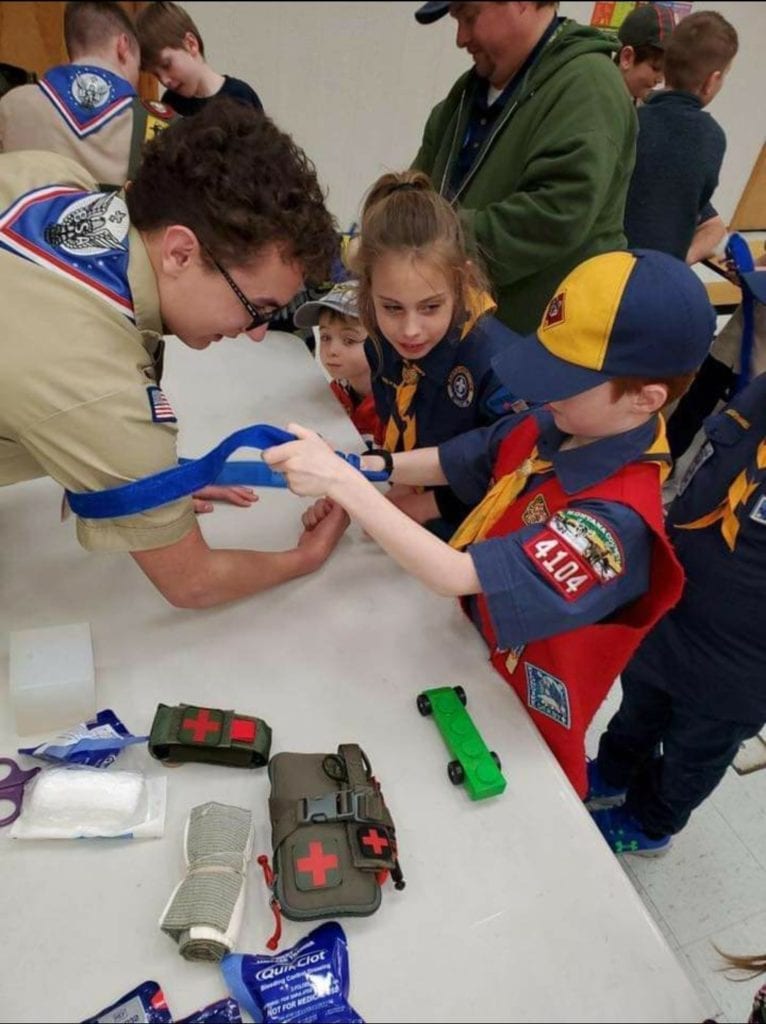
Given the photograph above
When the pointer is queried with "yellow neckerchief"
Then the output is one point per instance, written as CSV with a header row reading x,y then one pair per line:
x,y
401,427
481,520
477,304
659,450
726,512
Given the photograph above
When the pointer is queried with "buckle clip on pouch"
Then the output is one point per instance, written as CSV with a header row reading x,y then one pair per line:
x,y
333,838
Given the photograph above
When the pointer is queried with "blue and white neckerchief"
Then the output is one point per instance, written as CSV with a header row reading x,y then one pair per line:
x,y
87,97
80,235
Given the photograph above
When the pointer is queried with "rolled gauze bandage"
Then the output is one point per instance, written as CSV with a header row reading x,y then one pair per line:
x,y
204,913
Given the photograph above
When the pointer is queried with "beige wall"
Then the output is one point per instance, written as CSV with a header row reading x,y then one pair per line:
x,y
354,82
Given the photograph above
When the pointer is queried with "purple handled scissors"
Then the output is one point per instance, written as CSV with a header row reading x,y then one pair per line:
x,y
12,787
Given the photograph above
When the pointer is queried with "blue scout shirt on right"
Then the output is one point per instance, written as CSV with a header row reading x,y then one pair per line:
x,y
523,603
717,633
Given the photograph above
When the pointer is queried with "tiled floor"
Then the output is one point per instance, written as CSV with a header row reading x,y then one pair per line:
x,y
710,888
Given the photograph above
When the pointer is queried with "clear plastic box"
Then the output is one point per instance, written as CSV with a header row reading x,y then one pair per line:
x,y
52,678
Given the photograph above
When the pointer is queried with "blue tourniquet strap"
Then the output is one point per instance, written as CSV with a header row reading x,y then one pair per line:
x,y
739,253
192,474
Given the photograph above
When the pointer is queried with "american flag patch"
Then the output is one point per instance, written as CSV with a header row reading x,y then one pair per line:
x,y
162,410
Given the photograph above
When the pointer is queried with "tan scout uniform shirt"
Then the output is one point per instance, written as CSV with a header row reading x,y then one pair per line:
x,y
74,402
28,120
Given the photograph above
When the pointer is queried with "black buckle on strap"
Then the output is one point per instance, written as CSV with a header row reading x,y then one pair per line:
x,y
344,805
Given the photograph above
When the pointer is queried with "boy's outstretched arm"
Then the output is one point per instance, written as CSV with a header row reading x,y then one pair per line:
x,y
313,470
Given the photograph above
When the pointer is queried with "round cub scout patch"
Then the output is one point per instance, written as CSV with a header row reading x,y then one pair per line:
x,y
460,387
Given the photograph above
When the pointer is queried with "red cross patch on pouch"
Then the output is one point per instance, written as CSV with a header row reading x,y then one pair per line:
x,y
375,842
317,864
201,726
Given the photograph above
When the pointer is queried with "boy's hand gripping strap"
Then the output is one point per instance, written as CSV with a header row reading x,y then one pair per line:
x,y
193,474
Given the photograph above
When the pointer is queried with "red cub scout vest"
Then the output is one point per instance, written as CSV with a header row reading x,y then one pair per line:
x,y
563,679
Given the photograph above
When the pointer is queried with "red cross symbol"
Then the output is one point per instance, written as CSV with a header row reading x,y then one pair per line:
x,y
201,725
317,863
375,841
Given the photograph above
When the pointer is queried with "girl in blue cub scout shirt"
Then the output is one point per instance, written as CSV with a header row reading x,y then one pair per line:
x,y
432,336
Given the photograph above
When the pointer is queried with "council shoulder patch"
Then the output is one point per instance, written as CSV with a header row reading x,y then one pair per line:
x,y
161,409
592,540
547,695
460,387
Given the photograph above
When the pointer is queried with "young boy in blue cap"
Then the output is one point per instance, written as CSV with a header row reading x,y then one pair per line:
x,y
564,566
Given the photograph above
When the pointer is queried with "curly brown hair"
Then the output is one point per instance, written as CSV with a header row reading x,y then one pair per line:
x,y
239,183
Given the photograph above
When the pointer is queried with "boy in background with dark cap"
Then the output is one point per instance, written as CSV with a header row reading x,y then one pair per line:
x,y
643,36
564,566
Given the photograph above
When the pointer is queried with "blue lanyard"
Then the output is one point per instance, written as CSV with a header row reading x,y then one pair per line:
x,y
739,253
192,474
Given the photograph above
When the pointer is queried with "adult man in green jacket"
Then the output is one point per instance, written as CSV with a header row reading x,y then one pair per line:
x,y
535,144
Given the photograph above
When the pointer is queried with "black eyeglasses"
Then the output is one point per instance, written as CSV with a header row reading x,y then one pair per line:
x,y
260,316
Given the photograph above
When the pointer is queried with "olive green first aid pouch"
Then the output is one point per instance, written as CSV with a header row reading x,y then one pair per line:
x,y
185,732
332,836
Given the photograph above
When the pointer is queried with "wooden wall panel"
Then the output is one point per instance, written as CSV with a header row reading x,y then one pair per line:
x,y
750,214
32,35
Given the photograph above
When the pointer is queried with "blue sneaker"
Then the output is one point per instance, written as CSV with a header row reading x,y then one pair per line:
x,y
600,793
624,835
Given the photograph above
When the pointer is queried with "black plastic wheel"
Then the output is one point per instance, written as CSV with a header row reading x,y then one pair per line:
x,y
461,695
456,773
424,704
496,759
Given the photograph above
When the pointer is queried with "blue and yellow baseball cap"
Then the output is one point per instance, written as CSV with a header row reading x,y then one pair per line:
x,y
622,314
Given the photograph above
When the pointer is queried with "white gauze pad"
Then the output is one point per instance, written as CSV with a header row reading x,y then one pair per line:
x,y
83,802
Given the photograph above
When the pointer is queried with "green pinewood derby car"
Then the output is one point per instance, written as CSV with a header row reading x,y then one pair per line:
x,y
474,765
